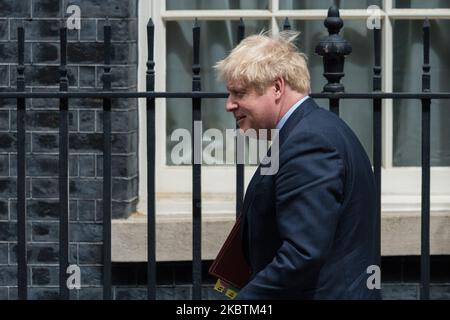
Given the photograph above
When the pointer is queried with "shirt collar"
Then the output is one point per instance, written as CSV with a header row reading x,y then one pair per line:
x,y
286,116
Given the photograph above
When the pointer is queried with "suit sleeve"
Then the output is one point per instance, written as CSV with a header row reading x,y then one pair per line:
x,y
309,192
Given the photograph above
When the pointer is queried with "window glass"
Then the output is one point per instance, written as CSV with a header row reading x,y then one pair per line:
x,y
325,4
217,38
407,77
411,4
216,4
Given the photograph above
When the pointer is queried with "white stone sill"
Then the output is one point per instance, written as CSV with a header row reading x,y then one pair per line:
x,y
400,227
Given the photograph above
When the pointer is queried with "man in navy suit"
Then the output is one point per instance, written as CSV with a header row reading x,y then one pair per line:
x,y
308,229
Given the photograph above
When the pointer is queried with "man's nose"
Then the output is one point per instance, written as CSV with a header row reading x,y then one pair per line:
x,y
230,106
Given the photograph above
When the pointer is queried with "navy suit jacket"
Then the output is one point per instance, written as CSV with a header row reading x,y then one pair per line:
x,y
309,231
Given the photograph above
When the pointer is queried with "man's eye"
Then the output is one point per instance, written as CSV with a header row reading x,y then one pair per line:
x,y
237,94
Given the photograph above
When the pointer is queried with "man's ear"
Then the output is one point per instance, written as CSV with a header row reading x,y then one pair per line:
x,y
279,86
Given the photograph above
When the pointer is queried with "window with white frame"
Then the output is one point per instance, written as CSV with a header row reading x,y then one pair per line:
x,y
401,70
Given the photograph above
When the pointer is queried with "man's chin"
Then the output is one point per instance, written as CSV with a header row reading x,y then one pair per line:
x,y
244,130
249,132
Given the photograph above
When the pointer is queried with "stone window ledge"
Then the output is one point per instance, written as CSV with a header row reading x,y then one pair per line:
x,y
400,226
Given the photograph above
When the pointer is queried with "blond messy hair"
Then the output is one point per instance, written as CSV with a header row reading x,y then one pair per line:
x,y
260,59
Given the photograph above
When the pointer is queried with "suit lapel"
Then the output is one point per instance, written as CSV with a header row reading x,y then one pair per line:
x,y
306,107
249,193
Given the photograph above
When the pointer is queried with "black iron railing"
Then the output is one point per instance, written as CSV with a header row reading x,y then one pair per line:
x,y
63,169
333,49
107,170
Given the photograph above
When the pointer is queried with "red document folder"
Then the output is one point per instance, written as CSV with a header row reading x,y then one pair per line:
x,y
230,265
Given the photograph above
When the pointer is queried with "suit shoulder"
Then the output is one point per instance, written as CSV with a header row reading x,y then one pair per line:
x,y
327,125
320,118
319,123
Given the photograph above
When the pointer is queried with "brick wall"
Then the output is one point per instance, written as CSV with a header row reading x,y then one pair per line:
x,y
400,279
85,57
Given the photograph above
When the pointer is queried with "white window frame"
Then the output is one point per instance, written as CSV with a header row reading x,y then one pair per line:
x,y
401,186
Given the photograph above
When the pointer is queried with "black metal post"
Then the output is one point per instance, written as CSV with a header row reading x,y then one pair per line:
x,y
240,145
151,212
377,134
286,24
196,171
63,169
21,196
425,230
240,31
333,49
107,172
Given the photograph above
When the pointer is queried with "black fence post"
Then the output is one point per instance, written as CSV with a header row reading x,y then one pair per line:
x,y
196,170
107,171
377,133
333,49
22,277
240,144
240,31
425,229
286,24
151,211
63,168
